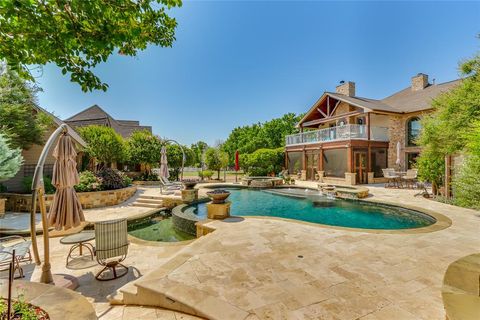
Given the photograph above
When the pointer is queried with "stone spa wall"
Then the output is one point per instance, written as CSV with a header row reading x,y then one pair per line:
x,y
22,202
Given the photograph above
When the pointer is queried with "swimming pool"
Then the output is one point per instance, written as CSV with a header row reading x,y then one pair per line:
x,y
309,205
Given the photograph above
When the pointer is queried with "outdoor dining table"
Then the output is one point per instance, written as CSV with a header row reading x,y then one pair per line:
x,y
79,240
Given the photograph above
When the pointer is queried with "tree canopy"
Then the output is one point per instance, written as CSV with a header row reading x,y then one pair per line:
x,y
451,128
270,135
77,35
216,159
10,160
197,149
103,144
19,122
174,158
144,148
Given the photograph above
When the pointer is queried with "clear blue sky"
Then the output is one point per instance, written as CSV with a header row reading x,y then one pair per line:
x,y
236,63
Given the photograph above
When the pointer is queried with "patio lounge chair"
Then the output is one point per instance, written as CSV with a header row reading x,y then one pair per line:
x,y
169,186
111,247
392,177
22,253
411,177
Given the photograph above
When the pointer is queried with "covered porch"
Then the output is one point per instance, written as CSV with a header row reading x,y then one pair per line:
x,y
339,162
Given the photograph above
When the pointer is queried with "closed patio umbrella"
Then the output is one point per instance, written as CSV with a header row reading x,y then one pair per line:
x,y
164,164
66,211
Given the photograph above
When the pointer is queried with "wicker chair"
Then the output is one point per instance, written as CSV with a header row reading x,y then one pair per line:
x,y
111,247
22,253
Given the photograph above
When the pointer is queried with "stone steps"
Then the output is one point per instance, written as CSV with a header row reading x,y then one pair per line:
x,y
148,202
147,205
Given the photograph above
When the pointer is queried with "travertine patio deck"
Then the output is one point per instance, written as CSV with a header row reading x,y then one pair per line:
x,y
275,269
261,268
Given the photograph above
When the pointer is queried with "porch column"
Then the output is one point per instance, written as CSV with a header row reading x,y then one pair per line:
x,y
367,120
349,158
304,165
286,160
320,159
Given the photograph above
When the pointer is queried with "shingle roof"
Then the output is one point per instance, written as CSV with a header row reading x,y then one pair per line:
x,y
95,115
75,136
407,100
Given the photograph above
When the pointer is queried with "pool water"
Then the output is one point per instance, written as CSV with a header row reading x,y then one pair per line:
x,y
312,206
158,229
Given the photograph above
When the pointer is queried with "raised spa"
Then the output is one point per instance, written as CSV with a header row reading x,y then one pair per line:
x,y
310,205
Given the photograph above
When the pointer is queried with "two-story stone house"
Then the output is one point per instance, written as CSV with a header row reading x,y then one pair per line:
x,y
348,139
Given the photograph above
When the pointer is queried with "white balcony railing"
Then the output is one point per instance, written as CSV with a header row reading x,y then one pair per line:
x,y
346,132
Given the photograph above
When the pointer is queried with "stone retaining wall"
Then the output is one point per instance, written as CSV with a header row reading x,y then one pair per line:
x,y
22,202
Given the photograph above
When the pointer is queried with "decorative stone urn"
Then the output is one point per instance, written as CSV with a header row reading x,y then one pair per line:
x,y
189,184
218,196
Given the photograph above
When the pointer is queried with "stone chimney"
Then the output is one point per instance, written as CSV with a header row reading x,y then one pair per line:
x,y
346,88
419,82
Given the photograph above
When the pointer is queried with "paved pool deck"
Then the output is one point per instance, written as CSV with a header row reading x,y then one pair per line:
x,y
266,268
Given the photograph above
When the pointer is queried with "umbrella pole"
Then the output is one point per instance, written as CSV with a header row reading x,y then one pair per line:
x,y
46,276
33,231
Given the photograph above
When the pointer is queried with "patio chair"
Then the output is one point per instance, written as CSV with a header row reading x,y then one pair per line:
x,y
111,247
392,177
411,177
168,185
22,253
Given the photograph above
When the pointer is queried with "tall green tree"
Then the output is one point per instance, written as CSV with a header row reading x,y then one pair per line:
x,y
198,149
77,35
270,135
145,149
103,144
216,160
10,159
19,121
446,130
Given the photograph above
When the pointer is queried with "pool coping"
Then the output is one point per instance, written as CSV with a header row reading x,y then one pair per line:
x,y
441,221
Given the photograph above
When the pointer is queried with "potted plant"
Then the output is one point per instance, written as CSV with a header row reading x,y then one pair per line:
x,y
10,160
218,196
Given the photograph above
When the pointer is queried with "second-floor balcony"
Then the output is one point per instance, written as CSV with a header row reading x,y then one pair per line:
x,y
339,133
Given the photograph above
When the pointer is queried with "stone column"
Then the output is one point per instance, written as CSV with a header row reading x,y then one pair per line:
x,y
370,177
321,174
189,195
350,178
218,210
303,176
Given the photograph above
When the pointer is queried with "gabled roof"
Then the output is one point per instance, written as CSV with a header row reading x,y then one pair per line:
x,y
404,101
95,115
57,122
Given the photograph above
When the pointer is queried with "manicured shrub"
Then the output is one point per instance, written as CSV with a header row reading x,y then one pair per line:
x,y
146,176
466,184
111,179
47,182
263,162
206,174
88,182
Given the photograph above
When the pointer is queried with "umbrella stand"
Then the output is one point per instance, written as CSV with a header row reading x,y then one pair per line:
x,y
38,193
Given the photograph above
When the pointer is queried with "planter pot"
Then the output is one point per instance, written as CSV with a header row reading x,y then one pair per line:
x,y
218,196
189,185
2,207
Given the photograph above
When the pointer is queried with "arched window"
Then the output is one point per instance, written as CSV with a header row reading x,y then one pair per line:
x,y
413,130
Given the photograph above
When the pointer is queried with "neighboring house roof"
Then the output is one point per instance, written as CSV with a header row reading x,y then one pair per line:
x,y
95,115
404,101
57,122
